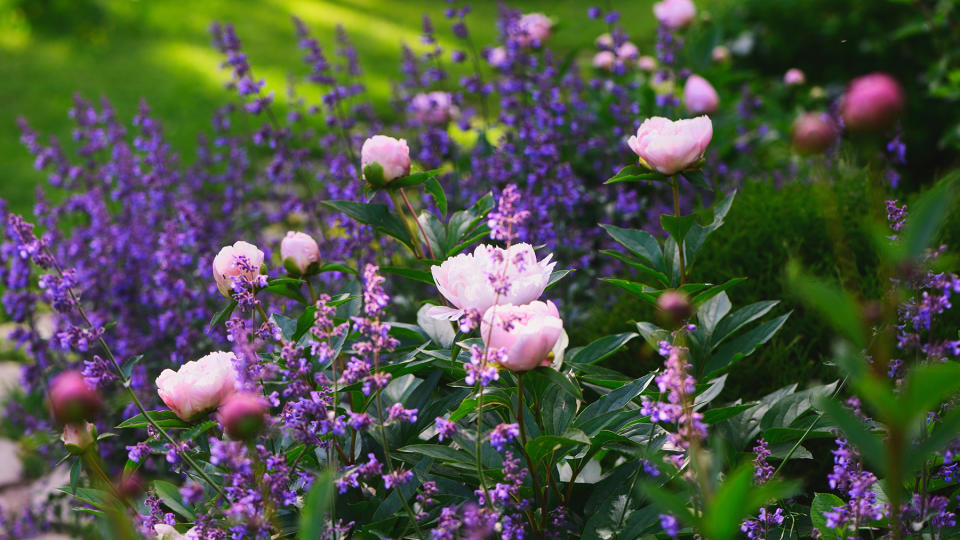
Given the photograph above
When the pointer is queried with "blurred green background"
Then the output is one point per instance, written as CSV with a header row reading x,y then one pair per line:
x,y
160,50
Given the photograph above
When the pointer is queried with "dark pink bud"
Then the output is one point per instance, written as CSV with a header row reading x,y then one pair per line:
x,y
674,307
813,133
872,103
243,415
72,400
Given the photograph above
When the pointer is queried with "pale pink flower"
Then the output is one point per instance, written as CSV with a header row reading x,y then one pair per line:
x,y
299,251
670,147
433,107
532,29
604,41
628,51
527,332
647,63
497,57
199,385
675,14
226,264
720,54
391,154
699,97
469,281
604,60
794,76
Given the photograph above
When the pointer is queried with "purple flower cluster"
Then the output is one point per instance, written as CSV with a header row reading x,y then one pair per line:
x,y
849,477
678,386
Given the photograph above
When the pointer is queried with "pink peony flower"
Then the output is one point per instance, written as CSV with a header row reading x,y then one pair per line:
x,y
532,29
647,63
391,154
528,333
670,147
675,14
465,280
699,97
794,76
434,108
243,415
199,385
604,60
813,133
872,102
628,51
299,252
72,399
497,57
604,41
226,265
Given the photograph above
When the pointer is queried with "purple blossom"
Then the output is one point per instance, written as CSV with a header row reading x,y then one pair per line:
x,y
445,428
502,434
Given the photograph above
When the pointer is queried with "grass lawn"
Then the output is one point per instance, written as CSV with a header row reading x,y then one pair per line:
x,y
160,50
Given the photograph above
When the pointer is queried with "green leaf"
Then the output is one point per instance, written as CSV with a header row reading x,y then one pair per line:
x,y
562,381
696,178
730,505
337,267
709,293
712,416
556,276
437,451
289,288
636,173
943,433
433,187
170,496
738,319
409,273
743,345
414,179
223,315
824,502
601,348
677,226
164,419
926,386
552,446
926,217
648,275
319,501
615,400
375,215
466,407
637,289
287,326
640,243
698,234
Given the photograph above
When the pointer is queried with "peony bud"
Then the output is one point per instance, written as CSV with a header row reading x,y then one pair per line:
x,y
647,63
384,159
720,54
243,415
699,97
604,60
813,133
240,259
167,532
674,307
872,103
528,333
72,400
794,76
77,437
675,14
300,253
130,486
198,386
669,147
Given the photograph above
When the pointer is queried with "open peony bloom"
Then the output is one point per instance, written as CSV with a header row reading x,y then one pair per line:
x,y
528,333
299,252
669,147
532,29
872,102
794,76
465,280
604,60
433,107
199,385
227,265
391,154
699,97
675,14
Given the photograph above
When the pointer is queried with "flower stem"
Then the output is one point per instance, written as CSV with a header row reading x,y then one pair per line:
x,y
676,213
423,233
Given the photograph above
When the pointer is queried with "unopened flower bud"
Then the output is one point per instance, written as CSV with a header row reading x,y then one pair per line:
x,y
813,133
300,253
243,415
78,437
674,307
872,103
72,400
793,77
130,486
384,159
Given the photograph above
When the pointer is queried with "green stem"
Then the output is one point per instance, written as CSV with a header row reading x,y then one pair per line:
x,y
807,432
676,213
313,294
423,233
387,458
537,490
